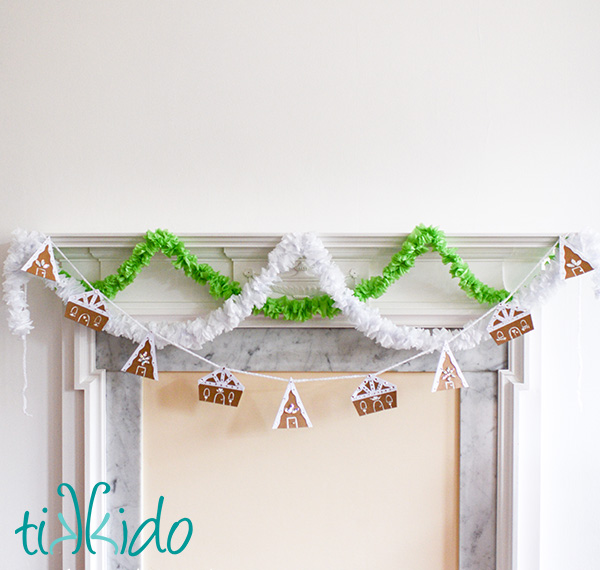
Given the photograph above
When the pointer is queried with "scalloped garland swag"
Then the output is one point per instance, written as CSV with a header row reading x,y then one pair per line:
x,y
255,294
421,240
28,250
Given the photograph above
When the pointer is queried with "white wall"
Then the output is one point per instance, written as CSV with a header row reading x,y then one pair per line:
x,y
274,116
570,460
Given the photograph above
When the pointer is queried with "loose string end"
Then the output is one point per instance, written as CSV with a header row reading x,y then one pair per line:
x,y
25,382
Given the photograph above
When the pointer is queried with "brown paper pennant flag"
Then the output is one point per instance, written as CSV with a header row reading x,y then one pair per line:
x,y
508,323
88,309
572,262
220,387
143,361
291,413
42,263
448,375
374,395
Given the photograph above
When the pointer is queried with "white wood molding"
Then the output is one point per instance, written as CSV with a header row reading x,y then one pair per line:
x,y
79,348
500,246
508,380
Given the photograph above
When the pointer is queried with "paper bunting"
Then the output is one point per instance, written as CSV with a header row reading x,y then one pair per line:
x,y
143,361
508,323
572,262
220,387
42,263
374,395
291,412
448,375
88,310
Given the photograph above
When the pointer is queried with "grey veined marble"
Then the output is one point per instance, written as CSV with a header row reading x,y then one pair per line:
x,y
320,350
478,437
124,458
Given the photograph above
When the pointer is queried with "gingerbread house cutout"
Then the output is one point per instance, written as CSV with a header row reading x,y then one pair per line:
x,y
42,263
143,361
448,375
220,387
374,395
291,412
508,323
88,310
572,262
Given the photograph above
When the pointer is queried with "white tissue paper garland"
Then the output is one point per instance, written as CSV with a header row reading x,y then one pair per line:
x,y
193,334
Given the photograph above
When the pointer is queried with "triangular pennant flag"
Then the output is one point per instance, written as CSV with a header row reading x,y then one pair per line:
x,y
448,375
88,309
291,412
42,263
220,387
143,361
508,323
374,395
572,262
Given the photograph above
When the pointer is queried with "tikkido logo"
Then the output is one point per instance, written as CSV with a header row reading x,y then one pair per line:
x,y
27,529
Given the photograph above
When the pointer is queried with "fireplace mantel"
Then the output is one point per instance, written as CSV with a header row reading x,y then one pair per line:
x,y
427,296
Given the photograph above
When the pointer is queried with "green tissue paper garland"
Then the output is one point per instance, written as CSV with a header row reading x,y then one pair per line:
x,y
421,240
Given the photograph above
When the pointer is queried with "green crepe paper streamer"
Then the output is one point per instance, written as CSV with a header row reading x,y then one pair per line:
x,y
421,240
220,286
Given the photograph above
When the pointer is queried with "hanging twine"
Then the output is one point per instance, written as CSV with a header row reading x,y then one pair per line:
x,y
579,349
25,382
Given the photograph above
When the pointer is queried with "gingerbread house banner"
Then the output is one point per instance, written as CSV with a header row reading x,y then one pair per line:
x,y
220,387
448,375
508,323
43,263
88,309
572,261
292,413
374,395
143,361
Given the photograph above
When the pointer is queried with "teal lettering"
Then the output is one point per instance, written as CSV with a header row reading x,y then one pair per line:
x,y
24,528
41,532
95,535
124,524
77,532
188,536
155,532
72,535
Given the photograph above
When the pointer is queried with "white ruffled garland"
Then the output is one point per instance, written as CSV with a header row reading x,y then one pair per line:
x,y
193,334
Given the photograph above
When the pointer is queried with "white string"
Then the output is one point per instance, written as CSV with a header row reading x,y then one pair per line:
x,y
25,382
479,319
512,293
579,350
322,379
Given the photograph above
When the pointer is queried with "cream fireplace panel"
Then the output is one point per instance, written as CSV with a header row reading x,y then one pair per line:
x,y
380,491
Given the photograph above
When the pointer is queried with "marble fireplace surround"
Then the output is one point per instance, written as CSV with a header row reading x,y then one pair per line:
x,y
316,350
96,425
